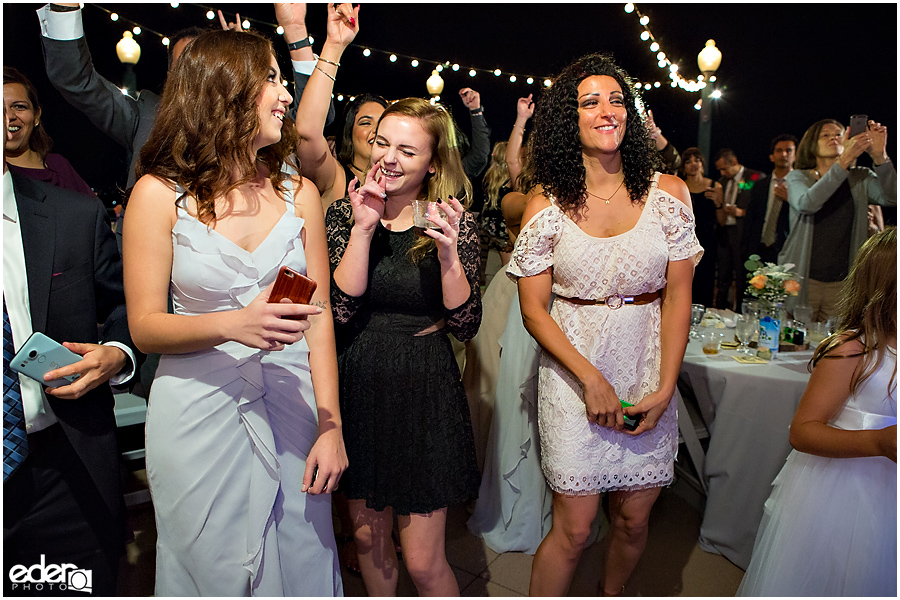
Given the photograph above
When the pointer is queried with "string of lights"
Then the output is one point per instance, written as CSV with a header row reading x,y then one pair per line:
x,y
367,51
663,61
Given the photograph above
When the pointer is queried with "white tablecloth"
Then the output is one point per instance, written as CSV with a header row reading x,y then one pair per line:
x,y
749,409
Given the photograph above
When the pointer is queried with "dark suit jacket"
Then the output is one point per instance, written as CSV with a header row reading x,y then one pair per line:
x,y
754,221
74,274
124,119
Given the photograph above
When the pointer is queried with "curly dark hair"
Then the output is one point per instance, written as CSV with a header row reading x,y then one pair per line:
x,y
208,119
557,151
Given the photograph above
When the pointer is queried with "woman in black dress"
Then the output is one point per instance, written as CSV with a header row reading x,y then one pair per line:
x,y
407,421
706,197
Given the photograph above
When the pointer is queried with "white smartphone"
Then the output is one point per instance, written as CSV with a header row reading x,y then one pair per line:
x,y
40,354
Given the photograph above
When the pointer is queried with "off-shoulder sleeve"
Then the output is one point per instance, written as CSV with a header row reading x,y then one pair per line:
x,y
338,223
533,252
678,227
463,321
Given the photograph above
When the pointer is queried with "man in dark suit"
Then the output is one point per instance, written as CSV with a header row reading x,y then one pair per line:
x,y
766,225
62,500
738,182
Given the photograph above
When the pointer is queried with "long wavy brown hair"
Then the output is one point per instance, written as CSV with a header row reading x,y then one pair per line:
x,y
868,306
208,119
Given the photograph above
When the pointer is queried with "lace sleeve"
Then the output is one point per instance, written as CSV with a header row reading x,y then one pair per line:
x,y
464,320
678,226
533,252
338,223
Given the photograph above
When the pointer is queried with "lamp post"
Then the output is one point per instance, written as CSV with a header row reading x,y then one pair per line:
x,y
708,60
129,53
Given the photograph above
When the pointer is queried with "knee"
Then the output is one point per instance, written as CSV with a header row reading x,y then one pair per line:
x,y
575,536
424,567
632,525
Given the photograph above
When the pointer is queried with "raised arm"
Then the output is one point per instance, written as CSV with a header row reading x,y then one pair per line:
x,y
315,157
71,71
524,110
478,156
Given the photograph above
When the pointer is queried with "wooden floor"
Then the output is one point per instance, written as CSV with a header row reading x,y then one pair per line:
x,y
672,564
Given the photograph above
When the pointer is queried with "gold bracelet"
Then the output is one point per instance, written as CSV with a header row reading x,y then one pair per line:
x,y
328,61
331,77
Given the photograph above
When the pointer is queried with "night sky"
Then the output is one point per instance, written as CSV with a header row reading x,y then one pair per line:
x,y
784,66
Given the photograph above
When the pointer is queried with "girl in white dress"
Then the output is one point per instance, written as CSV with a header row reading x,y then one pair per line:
x,y
830,525
614,242
244,441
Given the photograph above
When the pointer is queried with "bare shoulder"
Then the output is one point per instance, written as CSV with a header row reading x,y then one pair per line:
x,y
535,205
151,188
675,187
306,197
846,347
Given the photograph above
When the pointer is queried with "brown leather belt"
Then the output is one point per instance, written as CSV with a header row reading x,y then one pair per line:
x,y
616,301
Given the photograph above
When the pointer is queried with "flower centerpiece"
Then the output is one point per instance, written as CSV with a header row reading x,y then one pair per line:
x,y
769,282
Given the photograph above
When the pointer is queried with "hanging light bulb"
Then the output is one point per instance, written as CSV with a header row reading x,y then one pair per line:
x,y
654,47
279,30
512,78
644,20
435,83
530,80
128,50
245,24
114,17
645,35
629,8
471,72
210,15
414,62
165,41
393,58
367,52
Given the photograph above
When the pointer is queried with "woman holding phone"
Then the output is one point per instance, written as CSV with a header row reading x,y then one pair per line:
x,y
244,438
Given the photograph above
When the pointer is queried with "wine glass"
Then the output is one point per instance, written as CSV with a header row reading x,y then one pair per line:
x,y
697,311
744,326
803,313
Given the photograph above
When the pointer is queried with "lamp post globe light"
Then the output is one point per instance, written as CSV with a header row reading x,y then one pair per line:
x,y
708,60
129,53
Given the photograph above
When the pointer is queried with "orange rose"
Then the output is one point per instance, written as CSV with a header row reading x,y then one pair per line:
x,y
791,287
759,281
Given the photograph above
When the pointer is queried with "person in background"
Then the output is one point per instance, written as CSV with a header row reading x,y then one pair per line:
x,y
829,198
706,200
62,490
608,226
830,524
766,224
738,182
28,144
667,152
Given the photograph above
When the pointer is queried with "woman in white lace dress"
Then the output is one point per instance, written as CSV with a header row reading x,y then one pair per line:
x,y
614,241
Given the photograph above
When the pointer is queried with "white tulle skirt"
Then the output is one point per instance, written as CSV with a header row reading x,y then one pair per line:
x,y
829,529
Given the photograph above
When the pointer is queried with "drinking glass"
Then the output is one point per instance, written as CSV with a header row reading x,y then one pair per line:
x,y
744,327
803,314
697,311
816,332
712,341
749,307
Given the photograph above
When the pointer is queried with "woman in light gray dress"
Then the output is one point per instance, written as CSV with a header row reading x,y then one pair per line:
x,y
244,439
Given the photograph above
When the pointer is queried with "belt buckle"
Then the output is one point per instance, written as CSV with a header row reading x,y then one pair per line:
x,y
614,302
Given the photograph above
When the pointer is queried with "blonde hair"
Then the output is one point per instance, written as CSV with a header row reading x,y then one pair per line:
x,y
868,306
496,176
449,177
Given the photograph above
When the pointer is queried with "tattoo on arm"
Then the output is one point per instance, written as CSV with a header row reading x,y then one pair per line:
x,y
321,304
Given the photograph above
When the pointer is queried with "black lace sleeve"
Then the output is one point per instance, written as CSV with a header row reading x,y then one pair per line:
x,y
338,223
463,321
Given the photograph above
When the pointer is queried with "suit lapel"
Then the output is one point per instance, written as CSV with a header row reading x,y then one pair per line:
x,y
37,221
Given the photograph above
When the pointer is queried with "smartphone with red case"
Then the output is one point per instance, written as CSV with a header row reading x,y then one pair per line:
x,y
296,287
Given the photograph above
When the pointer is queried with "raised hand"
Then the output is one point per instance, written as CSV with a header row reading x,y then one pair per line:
x,y
230,26
290,13
855,146
260,324
525,107
368,199
470,98
878,134
343,24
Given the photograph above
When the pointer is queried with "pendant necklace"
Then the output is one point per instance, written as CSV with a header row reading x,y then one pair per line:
x,y
610,196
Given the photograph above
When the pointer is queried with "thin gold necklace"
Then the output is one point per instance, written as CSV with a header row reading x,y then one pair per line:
x,y
610,196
